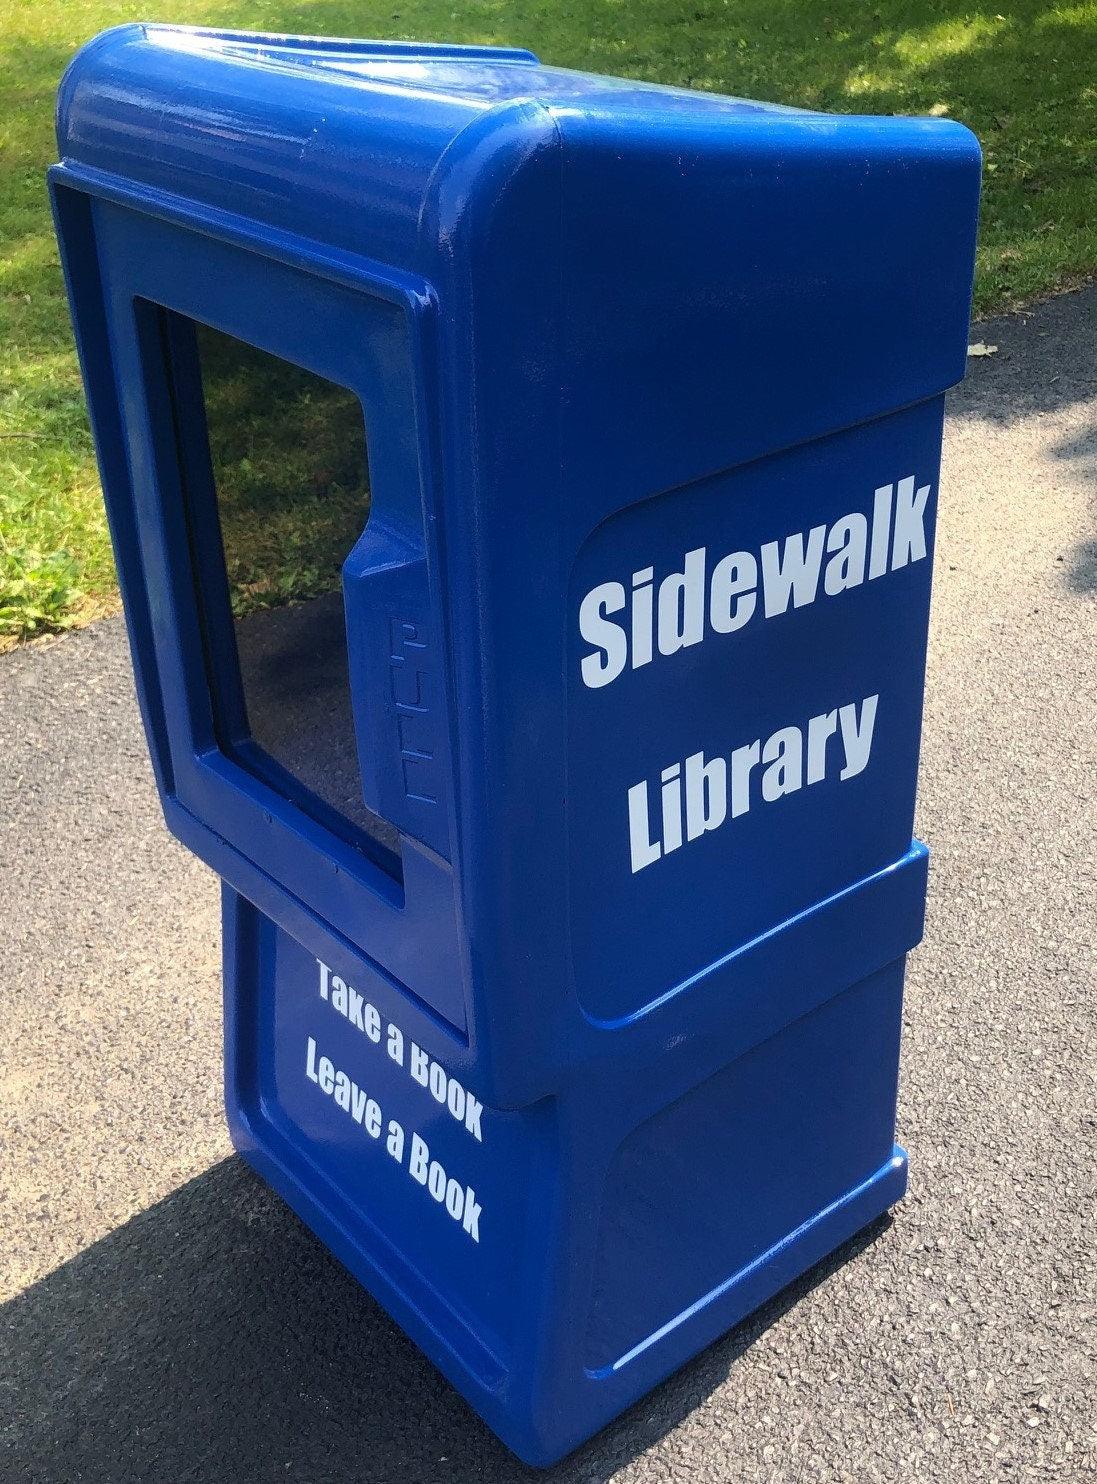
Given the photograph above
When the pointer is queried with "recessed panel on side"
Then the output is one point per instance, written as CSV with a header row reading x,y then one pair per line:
x,y
744,682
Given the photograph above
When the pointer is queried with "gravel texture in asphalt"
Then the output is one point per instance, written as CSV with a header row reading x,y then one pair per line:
x,y
166,1318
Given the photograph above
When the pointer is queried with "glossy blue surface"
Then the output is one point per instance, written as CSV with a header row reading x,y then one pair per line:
x,y
652,384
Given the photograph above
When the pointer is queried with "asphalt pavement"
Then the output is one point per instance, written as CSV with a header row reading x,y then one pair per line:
x,y
165,1318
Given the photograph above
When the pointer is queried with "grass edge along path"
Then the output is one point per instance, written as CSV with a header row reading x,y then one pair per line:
x,y
1023,76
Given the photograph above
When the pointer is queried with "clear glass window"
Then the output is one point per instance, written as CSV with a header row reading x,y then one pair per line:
x,y
278,494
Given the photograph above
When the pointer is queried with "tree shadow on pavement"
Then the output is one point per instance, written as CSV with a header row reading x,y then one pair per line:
x,y
1045,363
212,1337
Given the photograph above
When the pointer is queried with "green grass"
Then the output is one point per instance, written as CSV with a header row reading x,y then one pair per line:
x,y
1023,75
288,452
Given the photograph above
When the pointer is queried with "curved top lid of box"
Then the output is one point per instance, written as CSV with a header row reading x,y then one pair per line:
x,y
342,141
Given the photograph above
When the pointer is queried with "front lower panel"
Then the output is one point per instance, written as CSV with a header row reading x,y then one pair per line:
x,y
557,1260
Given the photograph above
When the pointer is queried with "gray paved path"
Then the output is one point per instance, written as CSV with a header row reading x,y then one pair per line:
x,y
164,1318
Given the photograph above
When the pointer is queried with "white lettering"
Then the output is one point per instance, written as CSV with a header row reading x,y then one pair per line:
x,y
371,1023
642,848
455,1198
671,779
394,1142
820,730
682,605
609,638
784,753
848,540
471,1219
419,1160
735,577
857,735
795,573
396,1044
420,1065
909,542
881,531
462,1106
459,1200
743,759
354,1009
643,600
677,612
781,758
473,1110
706,794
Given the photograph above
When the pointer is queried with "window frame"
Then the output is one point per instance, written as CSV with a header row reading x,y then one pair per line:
x,y
365,328
209,558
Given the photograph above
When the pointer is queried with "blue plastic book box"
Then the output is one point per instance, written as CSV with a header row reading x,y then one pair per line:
x,y
565,813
